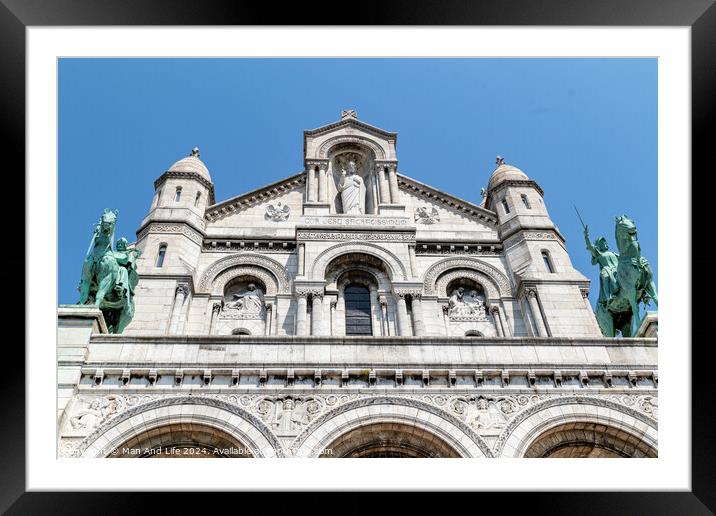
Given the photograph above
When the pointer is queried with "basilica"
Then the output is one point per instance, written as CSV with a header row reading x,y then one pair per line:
x,y
350,310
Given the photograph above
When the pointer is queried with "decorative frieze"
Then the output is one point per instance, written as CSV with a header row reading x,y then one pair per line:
x,y
304,235
223,245
449,248
347,220
296,414
172,228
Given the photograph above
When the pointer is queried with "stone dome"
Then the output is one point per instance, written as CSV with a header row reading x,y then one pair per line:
x,y
191,163
505,172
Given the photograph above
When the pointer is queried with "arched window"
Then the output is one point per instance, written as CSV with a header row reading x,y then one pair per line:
x,y
358,320
157,198
526,202
547,261
177,196
161,254
505,206
473,333
197,199
240,331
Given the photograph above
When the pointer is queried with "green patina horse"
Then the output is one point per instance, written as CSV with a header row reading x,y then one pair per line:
x,y
626,280
109,276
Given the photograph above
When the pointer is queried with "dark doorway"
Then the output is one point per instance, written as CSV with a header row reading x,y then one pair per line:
x,y
358,320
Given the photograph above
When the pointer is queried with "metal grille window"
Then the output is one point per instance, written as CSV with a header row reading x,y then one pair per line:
x,y
358,321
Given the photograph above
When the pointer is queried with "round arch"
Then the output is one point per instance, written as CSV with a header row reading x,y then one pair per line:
x,y
327,145
229,419
495,282
527,427
188,440
393,266
221,270
329,427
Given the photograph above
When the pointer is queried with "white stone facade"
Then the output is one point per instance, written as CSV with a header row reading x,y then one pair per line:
x,y
424,325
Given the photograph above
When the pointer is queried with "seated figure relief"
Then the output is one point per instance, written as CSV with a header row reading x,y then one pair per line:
x,y
466,305
245,304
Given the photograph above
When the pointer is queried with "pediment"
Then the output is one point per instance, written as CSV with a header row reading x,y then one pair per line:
x,y
430,197
288,191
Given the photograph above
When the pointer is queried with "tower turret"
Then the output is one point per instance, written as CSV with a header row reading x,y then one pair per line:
x,y
552,292
171,234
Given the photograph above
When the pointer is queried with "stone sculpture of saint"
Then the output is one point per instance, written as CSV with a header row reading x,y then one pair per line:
x,y
250,301
350,188
608,262
475,303
456,303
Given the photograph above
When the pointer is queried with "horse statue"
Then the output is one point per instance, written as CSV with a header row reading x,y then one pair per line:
x,y
109,276
625,280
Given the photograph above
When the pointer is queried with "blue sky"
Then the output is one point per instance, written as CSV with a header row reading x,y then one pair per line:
x,y
584,129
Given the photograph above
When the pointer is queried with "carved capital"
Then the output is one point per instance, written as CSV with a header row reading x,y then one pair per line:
x,y
584,292
183,289
495,309
216,308
531,292
405,292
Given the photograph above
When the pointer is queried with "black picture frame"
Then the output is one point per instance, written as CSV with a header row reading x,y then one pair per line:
x,y
700,15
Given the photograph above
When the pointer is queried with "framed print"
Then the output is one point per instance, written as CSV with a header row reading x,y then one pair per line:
x,y
248,265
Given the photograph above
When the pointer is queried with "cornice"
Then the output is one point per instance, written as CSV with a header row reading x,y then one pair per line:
x,y
350,121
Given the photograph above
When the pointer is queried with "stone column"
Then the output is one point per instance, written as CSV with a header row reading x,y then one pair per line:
x,y
317,314
592,316
180,295
445,309
215,310
341,314
302,314
382,184
322,183
393,182
384,315
375,312
332,327
403,321
503,320
413,262
310,183
269,318
301,259
181,327
498,323
418,315
536,312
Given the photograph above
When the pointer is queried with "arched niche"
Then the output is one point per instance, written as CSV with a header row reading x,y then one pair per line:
x,y
390,263
373,269
244,306
363,158
222,271
439,275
